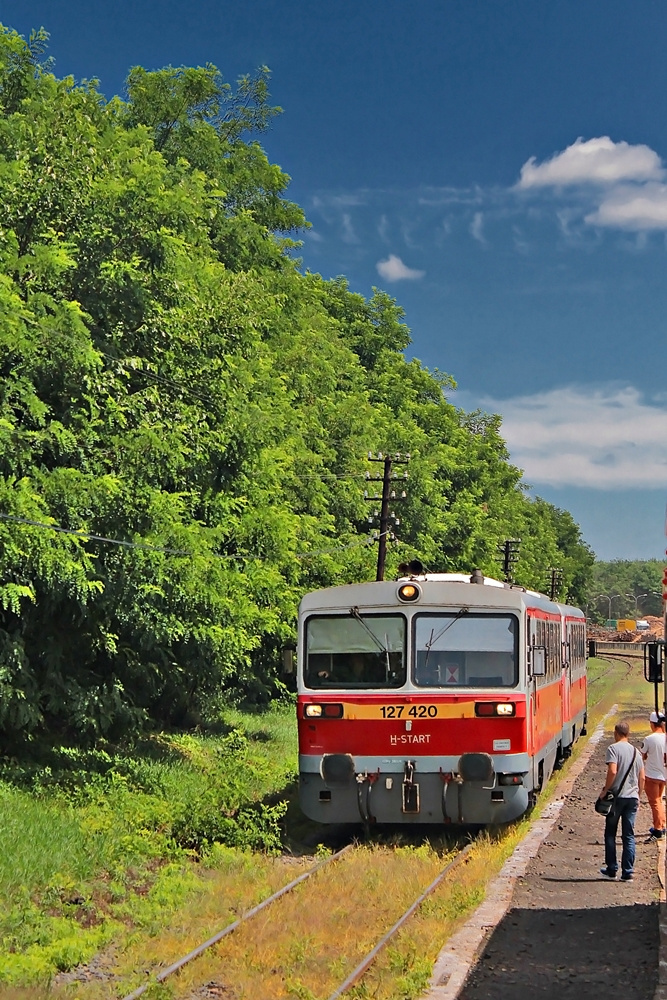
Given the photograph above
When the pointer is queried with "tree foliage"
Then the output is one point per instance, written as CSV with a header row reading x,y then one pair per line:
x,y
625,588
171,380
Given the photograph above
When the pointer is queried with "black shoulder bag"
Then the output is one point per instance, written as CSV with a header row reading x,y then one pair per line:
x,y
604,805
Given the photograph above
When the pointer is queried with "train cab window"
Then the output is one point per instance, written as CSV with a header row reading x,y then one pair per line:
x,y
348,652
470,650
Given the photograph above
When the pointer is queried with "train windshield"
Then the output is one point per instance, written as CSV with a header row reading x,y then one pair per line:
x,y
362,651
465,649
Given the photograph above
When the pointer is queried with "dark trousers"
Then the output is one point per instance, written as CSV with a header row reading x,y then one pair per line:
x,y
624,810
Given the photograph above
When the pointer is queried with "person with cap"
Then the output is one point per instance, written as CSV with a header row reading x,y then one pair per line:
x,y
654,753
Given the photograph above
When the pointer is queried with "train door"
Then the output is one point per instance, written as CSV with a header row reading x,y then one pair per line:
x,y
566,682
537,670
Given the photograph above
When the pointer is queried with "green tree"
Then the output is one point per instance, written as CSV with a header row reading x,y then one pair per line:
x,y
171,381
628,587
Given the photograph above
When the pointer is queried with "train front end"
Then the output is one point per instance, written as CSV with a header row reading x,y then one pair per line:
x,y
412,703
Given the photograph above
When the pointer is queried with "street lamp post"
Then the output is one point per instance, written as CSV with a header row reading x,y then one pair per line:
x,y
636,598
608,598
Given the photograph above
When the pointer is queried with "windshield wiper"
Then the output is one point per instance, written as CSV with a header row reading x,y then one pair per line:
x,y
378,642
434,638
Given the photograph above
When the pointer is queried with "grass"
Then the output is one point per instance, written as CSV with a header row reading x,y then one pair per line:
x,y
99,845
305,945
614,682
311,939
103,851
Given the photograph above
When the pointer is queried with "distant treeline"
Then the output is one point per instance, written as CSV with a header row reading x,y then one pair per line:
x,y
173,381
625,588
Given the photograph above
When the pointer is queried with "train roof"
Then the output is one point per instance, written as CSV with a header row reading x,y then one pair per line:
x,y
440,588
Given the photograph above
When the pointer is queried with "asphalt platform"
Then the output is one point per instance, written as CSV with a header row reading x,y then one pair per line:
x,y
552,926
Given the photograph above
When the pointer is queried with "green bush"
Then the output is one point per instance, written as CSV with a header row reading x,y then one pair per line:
x,y
94,840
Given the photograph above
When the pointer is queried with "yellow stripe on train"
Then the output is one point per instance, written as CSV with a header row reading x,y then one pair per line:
x,y
441,710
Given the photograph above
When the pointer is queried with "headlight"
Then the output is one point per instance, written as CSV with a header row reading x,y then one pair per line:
x,y
328,710
486,709
409,592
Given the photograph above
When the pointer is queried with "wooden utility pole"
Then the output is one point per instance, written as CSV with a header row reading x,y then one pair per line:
x,y
386,518
555,583
664,648
509,555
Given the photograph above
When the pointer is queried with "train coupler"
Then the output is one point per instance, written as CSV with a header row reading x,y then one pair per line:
x,y
410,789
365,782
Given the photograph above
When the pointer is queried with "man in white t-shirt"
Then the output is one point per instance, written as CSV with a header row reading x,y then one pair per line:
x,y
653,752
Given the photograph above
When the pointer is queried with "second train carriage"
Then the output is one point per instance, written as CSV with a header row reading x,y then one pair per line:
x,y
439,698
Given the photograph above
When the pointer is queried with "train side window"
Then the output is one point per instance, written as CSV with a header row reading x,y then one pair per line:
x,y
539,661
538,651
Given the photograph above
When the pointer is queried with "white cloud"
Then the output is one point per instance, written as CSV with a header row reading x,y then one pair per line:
x,y
393,269
602,437
450,196
477,228
338,200
597,161
348,234
635,207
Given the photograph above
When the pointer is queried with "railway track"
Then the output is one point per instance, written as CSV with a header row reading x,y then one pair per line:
x,y
617,652
626,656
362,965
230,928
612,658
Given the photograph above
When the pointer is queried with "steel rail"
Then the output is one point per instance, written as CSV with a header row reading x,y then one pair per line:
x,y
612,659
372,955
368,960
170,970
606,673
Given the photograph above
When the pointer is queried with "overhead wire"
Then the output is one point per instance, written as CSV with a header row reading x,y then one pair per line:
x,y
147,373
128,363
90,536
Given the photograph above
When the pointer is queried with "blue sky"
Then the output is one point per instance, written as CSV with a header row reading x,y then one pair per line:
x,y
499,168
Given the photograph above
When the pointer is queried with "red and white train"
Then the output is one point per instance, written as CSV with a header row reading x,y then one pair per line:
x,y
435,698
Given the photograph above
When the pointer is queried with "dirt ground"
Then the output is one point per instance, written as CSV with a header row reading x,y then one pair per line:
x,y
570,932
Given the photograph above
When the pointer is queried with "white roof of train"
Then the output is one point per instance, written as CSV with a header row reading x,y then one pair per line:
x,y
376,594
487,581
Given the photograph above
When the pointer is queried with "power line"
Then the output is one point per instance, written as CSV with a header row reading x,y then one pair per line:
x,y
187,390
89,536
341,548
128,363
